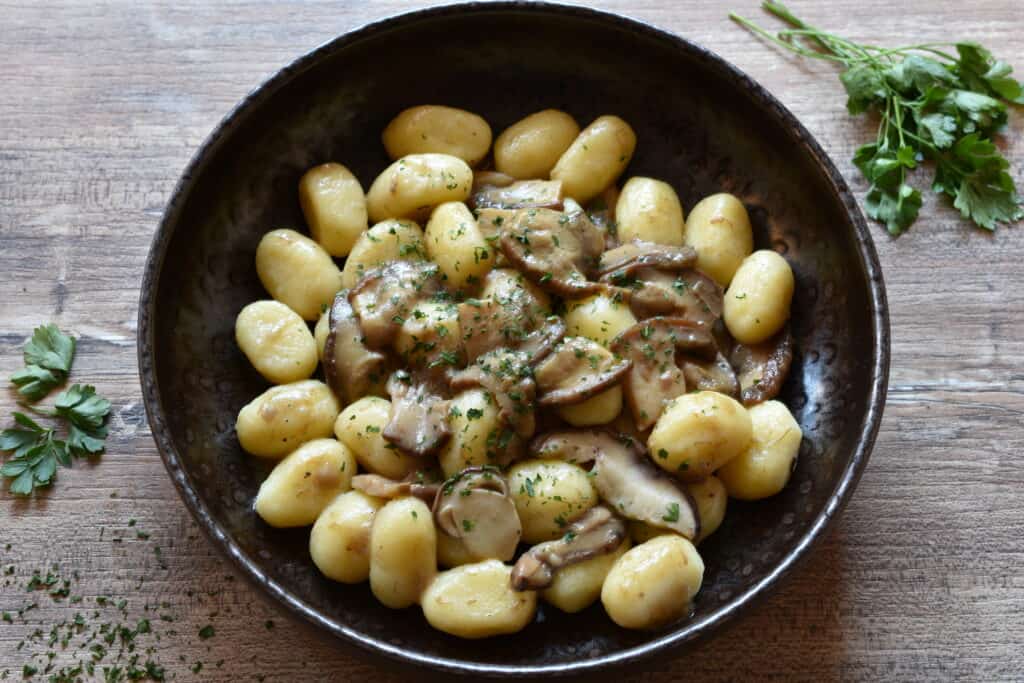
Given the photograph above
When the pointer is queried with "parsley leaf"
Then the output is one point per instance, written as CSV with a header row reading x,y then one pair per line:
x,y
48,356
36,451
934,106
672,515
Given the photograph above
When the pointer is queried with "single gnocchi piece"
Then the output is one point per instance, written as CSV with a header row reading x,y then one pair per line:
x,y
711,499
403,552
531,147
698,433
412,186
641,532
389,240
284,417
719,229
334,206
297,272
653,583
509,288
578,586
598,155
360,426
443,130
304,483
474,422
340,540
276,341
596,410
477,601
758,300
456,245
548,495
763,469
598,317
649,210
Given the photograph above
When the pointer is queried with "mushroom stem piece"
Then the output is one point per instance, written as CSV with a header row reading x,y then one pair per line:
x,y
598,532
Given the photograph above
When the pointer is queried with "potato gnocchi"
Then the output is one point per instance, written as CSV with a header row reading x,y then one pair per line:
x,y
538,384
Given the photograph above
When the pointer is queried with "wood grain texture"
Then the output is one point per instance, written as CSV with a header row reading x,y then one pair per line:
x,y
104,104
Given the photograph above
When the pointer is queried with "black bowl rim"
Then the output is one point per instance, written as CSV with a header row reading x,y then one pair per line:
x,y
686,633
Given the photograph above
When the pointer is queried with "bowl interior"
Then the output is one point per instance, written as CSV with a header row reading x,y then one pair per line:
x,y
701,127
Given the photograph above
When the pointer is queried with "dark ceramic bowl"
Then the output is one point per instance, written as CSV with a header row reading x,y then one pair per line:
x,y
702,125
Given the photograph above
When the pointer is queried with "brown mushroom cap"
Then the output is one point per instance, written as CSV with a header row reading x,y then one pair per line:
x,y
418,423
521,194
686,294
382,487
555,250
625,478
474,506
617,266
597,532
386,296
655,378
762,369
576,370
350,368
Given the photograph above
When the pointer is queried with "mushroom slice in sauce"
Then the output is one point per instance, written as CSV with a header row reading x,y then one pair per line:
x,y
625,478
619,264
555,250
385,296
418,423
382,487
602,213
762,369
541,342
474,506
522,194
686,294
351,369
507,376
576,369
597,532
714,375
655,378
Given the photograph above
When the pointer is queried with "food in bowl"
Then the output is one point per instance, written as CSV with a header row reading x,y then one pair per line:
x,y
550,389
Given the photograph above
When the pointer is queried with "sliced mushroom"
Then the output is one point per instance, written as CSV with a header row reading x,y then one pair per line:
x,y
577,369
602,212
522,194
598,532
625,478
351,369
655,378
474,506
386,295
491,223
714,375
762,369
507,376
541,342
686,294
418,423
618,265
555,250
382,487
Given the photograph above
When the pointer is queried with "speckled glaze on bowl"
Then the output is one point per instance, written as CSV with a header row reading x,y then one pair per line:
x,y
702,125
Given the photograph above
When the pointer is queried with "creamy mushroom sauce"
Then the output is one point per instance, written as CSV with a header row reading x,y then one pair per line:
x,y
506,336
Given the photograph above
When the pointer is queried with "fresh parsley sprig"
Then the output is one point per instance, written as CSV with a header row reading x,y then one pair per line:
x,y
934,106
36,450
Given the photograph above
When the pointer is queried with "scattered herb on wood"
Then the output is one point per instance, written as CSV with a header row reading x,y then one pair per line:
x,y
35,449
935,106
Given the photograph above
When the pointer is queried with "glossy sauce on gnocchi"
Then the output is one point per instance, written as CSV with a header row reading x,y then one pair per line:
x,y
513,374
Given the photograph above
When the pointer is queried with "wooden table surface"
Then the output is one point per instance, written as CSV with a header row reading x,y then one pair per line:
x,y
103,104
